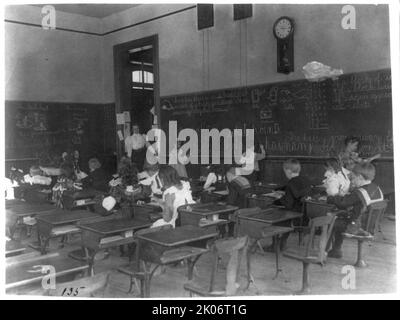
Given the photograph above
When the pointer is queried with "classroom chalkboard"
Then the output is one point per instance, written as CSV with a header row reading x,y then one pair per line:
x,y
296,118
38,129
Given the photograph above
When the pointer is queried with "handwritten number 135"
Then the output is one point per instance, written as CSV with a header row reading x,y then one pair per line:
x,y
71,291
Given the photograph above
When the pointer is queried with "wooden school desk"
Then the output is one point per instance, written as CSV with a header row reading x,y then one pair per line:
x,y
172,245
110,233
205,214
260,225
59,223
318,208
264,187
21,271
213,196
196,185
147,212
259,200
17,212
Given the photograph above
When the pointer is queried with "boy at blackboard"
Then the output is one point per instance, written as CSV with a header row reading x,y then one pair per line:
x,y
253,154
356,203
295,190
349,157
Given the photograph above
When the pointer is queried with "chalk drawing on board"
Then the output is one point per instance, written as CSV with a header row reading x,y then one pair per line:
x,y
265,114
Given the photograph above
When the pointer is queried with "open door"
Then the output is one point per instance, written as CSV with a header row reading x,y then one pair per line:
x,y
137,84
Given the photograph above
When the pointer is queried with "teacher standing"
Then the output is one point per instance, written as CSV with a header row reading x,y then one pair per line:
x,y
136,146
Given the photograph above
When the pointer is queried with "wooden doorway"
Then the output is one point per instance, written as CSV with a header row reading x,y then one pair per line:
x,y
136,78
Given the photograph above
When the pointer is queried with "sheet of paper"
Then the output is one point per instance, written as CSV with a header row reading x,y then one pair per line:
x,y
120,135
275,195
222,192
127,116
120,119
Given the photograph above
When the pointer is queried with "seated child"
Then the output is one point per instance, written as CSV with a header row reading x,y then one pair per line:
x,y
64,182
253,154
97,178
239,187
150,177
179,160
176,193
35,176
337,181
365,193
215,179
296,189
126,189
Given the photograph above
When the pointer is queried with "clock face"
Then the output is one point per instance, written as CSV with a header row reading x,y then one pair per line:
x,y
283,28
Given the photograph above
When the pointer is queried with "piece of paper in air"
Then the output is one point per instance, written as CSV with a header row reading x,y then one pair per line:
x,y
120,119
127,116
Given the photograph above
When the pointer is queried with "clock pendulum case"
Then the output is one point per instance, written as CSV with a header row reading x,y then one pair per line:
x,y
283,31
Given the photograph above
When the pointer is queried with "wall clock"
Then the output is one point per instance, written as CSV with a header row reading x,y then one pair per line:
x,y
283,31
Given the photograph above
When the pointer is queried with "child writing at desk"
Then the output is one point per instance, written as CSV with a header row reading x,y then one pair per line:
x,y
176,193
353,221
297,187
295,190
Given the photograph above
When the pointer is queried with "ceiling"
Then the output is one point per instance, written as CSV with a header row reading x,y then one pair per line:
x,y
92,10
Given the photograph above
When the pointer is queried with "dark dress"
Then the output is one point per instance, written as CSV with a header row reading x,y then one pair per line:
x,y
97,179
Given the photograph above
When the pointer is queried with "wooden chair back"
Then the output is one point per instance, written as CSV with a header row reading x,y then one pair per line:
x,y
325,225
244,227
373,216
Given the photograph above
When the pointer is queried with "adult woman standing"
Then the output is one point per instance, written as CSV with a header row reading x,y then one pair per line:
x,y
135,147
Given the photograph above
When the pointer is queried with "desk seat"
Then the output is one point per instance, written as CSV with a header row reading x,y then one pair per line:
x,y
272,231
60,231
298,254
367,237
202,290
179,254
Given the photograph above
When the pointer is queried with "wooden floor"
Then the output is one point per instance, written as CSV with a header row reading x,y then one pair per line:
x,y
379,277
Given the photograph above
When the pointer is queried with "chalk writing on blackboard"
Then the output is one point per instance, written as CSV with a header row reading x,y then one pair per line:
x,y
326,112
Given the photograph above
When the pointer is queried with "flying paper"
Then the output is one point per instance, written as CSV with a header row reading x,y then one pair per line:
x,y
316,71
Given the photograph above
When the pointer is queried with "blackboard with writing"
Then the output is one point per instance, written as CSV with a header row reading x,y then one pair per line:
x,y
35,129
298,118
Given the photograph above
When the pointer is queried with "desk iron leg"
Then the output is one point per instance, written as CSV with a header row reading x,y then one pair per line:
x,y
305,286
191,263
147,278
277,240
250,278
43,245
90,254
360,261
